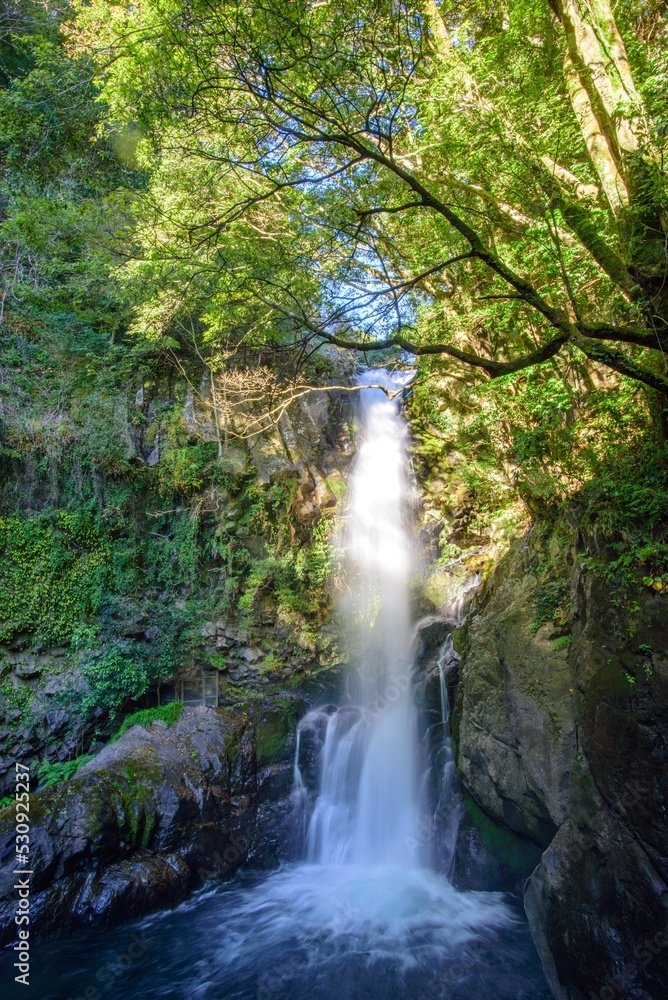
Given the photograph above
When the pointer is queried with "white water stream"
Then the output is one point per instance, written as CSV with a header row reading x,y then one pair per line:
x,y
368,839
368,810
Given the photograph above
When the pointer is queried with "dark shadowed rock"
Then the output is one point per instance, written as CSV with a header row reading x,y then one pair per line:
x,y
154,814
568,745
432,631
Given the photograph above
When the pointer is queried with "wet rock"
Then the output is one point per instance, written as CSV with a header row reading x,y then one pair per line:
x,y
279,819
557,744
432,632
150,816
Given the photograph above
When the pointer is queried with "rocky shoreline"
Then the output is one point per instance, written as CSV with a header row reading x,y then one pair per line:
x,y
150,817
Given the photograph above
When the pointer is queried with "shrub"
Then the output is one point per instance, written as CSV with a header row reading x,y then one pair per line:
x,y
52,774
168,714
114,679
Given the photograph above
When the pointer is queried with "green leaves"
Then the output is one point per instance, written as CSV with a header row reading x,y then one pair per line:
x,y
54,574
114,679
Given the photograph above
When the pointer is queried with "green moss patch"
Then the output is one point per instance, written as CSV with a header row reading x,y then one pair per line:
x,y
518,855
168,714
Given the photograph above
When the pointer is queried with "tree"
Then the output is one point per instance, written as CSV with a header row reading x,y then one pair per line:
x,y
491,174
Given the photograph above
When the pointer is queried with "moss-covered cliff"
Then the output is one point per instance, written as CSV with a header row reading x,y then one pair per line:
x,y
561,724
120,575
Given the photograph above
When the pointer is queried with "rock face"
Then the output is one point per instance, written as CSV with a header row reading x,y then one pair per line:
x,y
46,729
566,744
41,690
311,440
153,815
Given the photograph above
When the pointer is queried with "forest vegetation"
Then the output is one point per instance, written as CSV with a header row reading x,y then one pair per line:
x,y
198,194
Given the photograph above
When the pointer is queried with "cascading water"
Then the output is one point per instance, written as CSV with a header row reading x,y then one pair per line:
x,y
363,914
369,836
368,810
448,808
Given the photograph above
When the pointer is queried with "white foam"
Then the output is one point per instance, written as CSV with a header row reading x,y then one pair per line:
x,y
384,910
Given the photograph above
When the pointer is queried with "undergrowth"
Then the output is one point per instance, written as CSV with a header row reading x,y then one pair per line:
x,y
169,714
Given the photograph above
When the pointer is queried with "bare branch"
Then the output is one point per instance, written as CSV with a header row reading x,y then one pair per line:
x,y
366,212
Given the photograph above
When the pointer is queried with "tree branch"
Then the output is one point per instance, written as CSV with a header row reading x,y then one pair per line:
x,y
364,213
624,335
621,363
495,369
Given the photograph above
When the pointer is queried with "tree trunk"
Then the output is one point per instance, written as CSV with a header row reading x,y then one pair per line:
x,y
602,91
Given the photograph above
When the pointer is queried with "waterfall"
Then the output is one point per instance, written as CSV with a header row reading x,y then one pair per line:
x,y
364,913
365,889
449,808
368,810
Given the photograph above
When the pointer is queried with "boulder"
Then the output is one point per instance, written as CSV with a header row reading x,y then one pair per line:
x,y
251,655
432,631
151,816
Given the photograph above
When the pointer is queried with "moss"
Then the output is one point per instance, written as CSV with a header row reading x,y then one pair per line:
x,y
273,731
169,714
460,640
143,769
270,744
609,682
90,795
337,485
516,853
135,792
149,825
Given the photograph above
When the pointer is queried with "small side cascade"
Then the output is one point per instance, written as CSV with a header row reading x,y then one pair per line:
x,y
299,793
297,780
448,812
456,606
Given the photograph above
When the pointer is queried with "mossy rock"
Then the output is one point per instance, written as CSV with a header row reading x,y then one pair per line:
x,y
515,855
273,731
